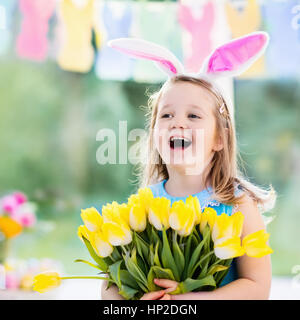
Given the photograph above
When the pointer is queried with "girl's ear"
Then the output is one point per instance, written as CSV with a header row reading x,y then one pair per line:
x,y
236,56
142,49
219,145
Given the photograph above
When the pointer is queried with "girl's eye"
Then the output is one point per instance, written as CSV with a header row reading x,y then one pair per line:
x,y
194,116
166,115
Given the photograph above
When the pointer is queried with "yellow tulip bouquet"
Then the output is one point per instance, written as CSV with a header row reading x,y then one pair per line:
x,y
146,238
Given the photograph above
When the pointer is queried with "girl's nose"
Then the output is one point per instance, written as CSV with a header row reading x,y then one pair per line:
x,y
178,122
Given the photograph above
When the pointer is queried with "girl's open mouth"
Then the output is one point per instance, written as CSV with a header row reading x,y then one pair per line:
x,y
178,142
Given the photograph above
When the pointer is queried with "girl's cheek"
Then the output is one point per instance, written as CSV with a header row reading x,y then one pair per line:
x,y
160,137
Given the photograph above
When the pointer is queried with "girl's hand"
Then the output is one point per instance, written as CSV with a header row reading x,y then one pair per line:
x,y
170,285
154,295
166,297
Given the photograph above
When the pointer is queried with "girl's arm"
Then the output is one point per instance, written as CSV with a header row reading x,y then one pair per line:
x,y
254,273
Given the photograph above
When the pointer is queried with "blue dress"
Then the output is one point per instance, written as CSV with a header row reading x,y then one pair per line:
x,y
205,200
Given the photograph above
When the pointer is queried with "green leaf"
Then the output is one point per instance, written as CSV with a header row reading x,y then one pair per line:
x,y
163,273
188,248
216,268
143,251
128,279
222,274
141,263
194,242
151,254
167,257
101,263
114,271
203,271
144,236
149,231
143,245
191,284
178,256
196,255
116,255
206,233
127,292
204,260
150,278
155,237
196,233
89,263
134,269
156,256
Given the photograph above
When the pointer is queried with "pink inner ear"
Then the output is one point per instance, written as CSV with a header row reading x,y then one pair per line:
x,y
231,56
148,56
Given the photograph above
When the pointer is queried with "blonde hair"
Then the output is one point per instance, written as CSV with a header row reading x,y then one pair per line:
x,y
223,171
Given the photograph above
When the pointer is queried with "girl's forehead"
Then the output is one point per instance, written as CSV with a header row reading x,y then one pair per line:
x,y
186,93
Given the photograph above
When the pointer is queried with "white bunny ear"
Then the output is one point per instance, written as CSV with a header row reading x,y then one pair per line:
x,y
236,56
142,49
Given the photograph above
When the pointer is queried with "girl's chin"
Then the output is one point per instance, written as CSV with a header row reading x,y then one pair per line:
x,y
179,162
187,169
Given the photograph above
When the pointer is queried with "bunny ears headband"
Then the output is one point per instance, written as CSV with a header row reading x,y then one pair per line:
x,y
228,60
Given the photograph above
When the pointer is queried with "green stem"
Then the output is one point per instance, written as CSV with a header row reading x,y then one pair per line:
x,y
124,249
112,258
206,256
180,239
175,235
200,261
84,277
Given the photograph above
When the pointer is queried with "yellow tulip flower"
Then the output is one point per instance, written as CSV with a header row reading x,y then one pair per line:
x,y
143,198
159,212
9,227
83,231
228,248
92,219
182,218
146,197
117,233
208,216
138,218
124,211
226,226
99,242
255,244
115,212
46,281
194,203
237,224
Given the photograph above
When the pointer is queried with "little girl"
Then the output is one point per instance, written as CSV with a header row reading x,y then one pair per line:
x,y
192,151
